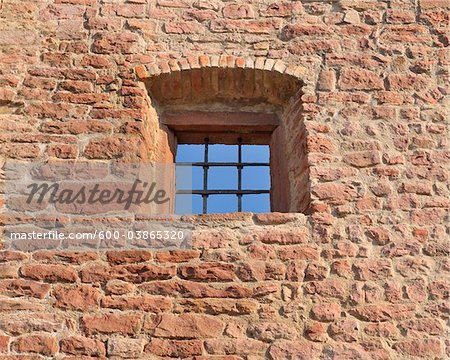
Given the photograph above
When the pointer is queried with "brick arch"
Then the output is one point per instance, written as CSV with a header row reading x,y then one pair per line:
x,y
220,61
224,82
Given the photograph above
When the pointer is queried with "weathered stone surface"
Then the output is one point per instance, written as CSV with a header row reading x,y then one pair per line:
x,y
125,347
42,344
269,331
82,298
326,312
126,323
79,345
352,79
27,322
49,272
152,304
174,348
420,348
384,312
353,264
284,349
186,326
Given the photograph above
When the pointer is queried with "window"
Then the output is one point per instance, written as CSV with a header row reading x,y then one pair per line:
x,y
235,160
224,99
225,178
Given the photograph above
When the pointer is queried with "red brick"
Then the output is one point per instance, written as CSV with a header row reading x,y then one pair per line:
x,y
138,273
431,4
334,192
125,323
373,269
81,297
27,322
315,271
320,144
4,344
299,252
124,10
17,37
80,345
375,313
200,15
71,257
40,344
396,16
420,348
334,288
8,271
284,349
8,255
207,272
153,304
270,331
177,256
258,271
119,287
21,287
76,127
383,330
63,151
111,147
326,312
265,26
316,332
360,79
439,289
188,27
123,43
52,273
238,346
327,80
96,61
292,31
346,330
282,9
125,347
184,326
280,236
77,86
238,11
62,11
363,159
128,256
407,82
423,325
174,348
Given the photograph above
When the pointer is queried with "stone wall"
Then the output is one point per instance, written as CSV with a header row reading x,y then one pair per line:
x,y
364,276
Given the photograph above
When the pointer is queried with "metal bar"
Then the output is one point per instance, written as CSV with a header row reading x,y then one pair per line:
x,y
221,164
205,178
239,196
222,192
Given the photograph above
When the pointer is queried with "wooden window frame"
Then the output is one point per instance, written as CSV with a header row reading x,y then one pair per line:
x,y
192,127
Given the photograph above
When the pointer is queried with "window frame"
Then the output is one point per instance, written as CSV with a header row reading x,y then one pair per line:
x,y
192,127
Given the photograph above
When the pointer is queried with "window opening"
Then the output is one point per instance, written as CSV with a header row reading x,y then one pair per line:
x,y
229,181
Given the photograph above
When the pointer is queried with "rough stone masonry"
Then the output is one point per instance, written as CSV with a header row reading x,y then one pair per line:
x,y
364,275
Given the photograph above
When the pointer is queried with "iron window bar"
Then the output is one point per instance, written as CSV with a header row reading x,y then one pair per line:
x,y
232,164
206,164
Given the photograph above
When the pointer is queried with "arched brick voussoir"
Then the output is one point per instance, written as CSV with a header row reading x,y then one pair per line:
x,y
219,61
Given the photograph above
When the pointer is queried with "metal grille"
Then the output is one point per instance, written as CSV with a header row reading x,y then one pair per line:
x,y
205,192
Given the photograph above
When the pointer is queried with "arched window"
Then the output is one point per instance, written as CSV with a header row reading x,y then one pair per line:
x,y
241,109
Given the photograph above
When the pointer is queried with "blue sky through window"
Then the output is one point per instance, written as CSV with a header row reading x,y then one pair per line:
x,y
224,178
